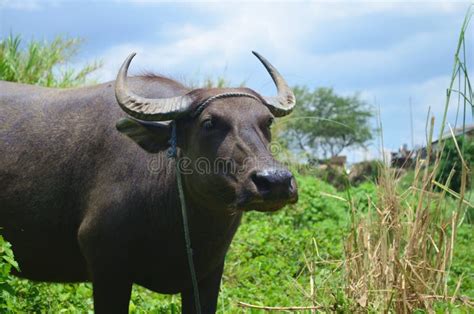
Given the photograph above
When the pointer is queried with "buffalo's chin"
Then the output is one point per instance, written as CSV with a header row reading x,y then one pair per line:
x,y
273,206
266,207
261,205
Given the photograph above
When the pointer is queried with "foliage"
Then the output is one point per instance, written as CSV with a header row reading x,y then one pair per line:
x,y
220,82
269,262
363,196
266,263
324,123
364,171
451,161
34,297
463,263
7,262
334,175
42,63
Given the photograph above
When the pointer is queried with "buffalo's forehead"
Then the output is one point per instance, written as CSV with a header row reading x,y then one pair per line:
x,y
202,94
245,102
237,107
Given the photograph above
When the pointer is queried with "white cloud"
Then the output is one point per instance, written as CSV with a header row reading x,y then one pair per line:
x,y
282,33
31,5
20,5
211,49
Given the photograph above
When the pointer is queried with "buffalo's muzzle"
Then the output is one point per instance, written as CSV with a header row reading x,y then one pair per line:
x,y
275,184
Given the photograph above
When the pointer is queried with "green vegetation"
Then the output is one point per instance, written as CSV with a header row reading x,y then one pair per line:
x,y
7,262
274,260
451,161
42,63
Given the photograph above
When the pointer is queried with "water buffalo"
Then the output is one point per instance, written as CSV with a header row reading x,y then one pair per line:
x,y
88,192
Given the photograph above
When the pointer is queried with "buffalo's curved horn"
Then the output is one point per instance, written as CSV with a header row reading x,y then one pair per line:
x,y
148,109
284,102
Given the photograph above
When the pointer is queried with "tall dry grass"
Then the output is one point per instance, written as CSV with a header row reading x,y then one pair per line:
x,y
399,253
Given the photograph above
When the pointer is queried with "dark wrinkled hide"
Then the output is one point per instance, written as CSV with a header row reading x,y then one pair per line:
x,y
79,203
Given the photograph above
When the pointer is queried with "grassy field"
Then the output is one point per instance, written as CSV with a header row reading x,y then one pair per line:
x,y
294,257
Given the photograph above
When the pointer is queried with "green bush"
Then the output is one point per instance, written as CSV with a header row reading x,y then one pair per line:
x,y
450,160
266,263
334,175
364,171
7,262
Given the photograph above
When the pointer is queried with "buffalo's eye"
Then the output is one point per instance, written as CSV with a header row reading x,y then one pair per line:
x,y
207,124
270,122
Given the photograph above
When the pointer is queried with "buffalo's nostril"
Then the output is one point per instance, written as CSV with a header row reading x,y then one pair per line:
x,y
274,183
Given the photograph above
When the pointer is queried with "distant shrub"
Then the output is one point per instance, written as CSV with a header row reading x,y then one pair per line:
x,y
450,160
334,175
362,194
364,171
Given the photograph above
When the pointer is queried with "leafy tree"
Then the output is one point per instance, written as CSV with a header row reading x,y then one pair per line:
x,y
324,123
42,63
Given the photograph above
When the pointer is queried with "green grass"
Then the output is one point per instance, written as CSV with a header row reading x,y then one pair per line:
x,y
267,263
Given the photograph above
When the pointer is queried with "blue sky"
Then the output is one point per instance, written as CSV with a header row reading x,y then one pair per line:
x,y
386,51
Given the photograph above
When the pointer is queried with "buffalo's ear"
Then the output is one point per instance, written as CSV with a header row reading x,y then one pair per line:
x,y
151,136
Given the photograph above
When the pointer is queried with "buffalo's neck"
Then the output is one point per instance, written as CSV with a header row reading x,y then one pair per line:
x,y
211,235
211,231
209,224
205,224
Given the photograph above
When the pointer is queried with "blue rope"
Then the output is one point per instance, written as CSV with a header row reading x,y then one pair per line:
x,y
173,153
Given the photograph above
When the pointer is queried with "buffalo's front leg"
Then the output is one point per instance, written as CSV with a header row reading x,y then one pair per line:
x,y
111,293
107,254
112,286
208,293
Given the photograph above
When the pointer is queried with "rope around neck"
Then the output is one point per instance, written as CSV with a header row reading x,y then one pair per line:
x,y
173,154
